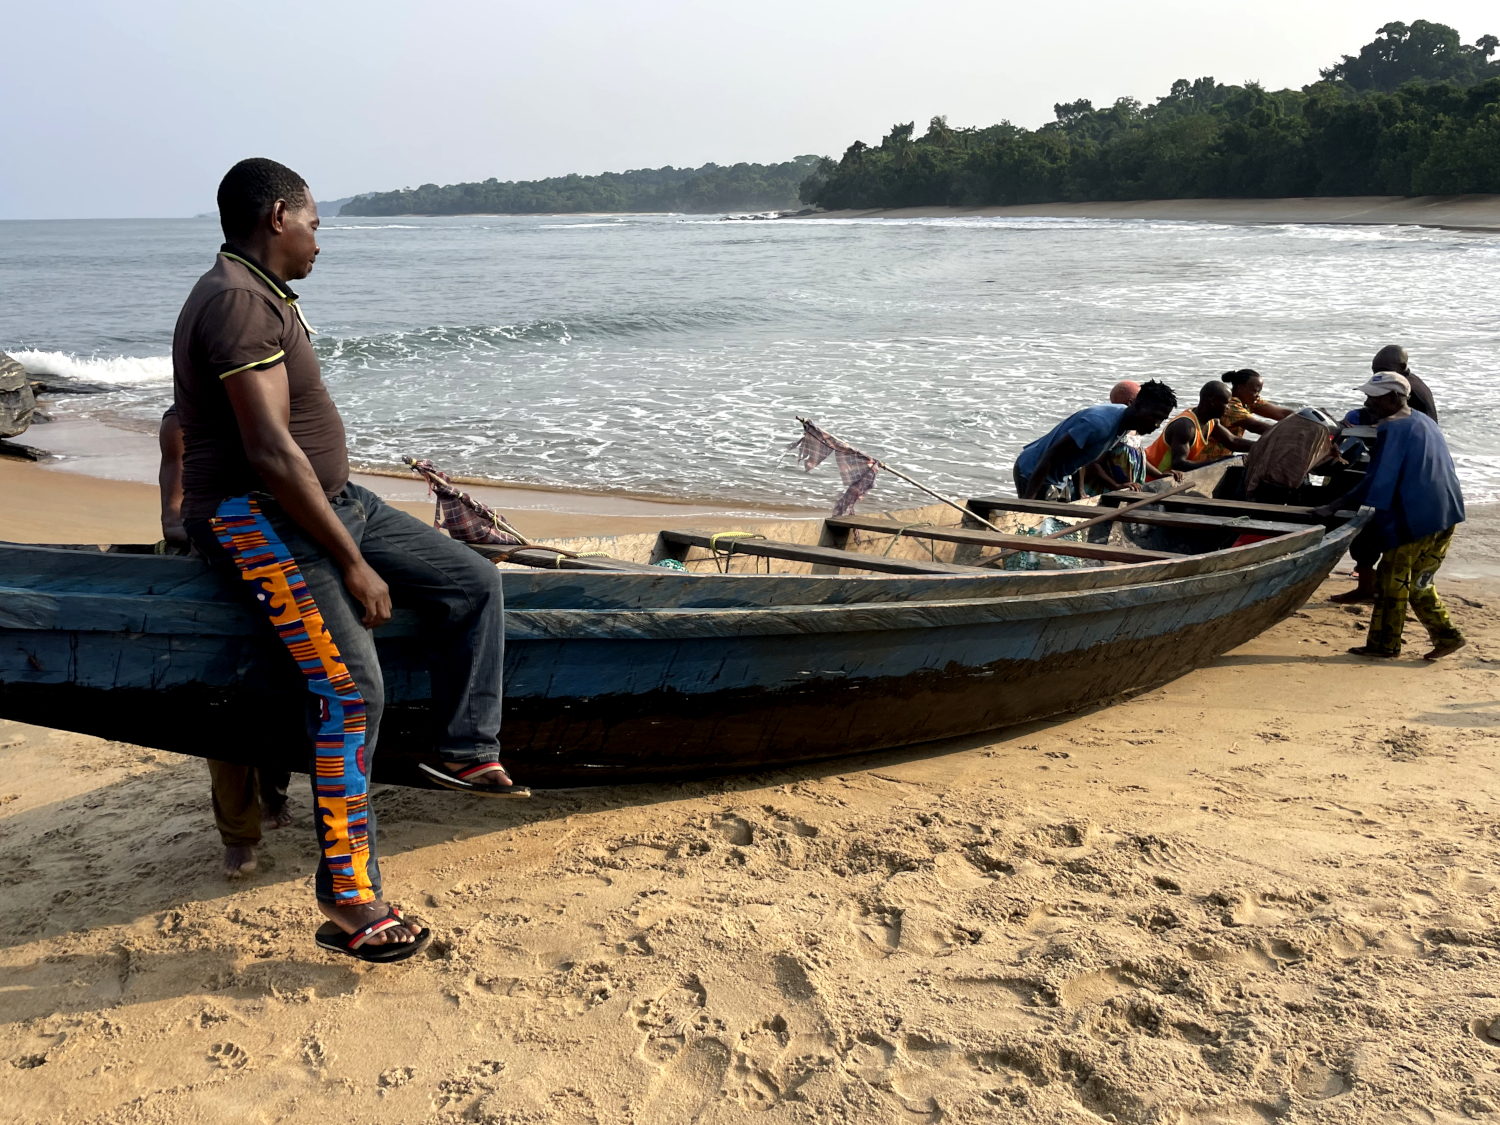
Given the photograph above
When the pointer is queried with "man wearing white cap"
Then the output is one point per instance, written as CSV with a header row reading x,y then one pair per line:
x,y
1412,485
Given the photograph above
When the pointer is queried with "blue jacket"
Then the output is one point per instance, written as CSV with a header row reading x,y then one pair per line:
x,y
1411,482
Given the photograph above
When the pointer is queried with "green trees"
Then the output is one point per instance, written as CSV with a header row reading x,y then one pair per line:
x,y
747,187
1415,112
1423,52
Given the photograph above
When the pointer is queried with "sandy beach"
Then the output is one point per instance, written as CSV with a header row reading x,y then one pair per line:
x,y
1455,212
1265,891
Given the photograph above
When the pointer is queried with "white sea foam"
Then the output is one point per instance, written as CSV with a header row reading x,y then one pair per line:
x,y
119,371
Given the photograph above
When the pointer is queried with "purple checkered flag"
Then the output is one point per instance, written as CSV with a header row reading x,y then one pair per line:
x,y
459,514
856,469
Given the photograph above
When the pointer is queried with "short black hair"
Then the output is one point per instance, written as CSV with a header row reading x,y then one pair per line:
x,y
251,188
1214,390
1239,378
1155,395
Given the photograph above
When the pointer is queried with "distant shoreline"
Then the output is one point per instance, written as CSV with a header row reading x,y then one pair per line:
x,y
1449,212
1479,213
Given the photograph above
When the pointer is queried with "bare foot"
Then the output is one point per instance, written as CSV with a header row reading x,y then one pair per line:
x,y
239,863
1356,596
1366,650
281,818
1447,648
355,917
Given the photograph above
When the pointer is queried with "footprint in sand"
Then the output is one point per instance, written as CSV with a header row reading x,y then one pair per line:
x,y
877,932
686,1085
228,1056
1318,1082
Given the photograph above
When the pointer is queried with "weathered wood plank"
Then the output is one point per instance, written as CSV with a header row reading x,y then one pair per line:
x,y
1279,513
1182,521
803,552
542,559
980,538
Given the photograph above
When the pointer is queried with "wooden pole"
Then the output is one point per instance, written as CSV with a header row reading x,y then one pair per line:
x,y
1112,514
1116,513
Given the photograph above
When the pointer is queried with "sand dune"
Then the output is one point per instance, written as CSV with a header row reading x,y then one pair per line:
x,y
1266,891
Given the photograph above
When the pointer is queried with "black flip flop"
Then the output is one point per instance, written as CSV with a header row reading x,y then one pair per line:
x,y
330,936
449,781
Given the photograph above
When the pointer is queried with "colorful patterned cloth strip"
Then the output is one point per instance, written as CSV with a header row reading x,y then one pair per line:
x,y
458,513
856,469
339,749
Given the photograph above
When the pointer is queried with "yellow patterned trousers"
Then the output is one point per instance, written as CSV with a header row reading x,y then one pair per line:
x,y
1407,575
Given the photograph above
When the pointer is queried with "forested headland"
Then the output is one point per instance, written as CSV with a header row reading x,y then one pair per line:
x,y
1415,112
711,188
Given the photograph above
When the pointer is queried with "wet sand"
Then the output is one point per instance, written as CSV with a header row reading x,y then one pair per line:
x,y
1458,212
1266,891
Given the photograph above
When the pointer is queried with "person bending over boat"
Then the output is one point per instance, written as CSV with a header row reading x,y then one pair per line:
x,y
1246,411
1365,550
1186,441
1413,487
1045,467
246,799
267,495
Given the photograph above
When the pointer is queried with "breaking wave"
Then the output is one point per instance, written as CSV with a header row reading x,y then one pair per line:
x,y
119,371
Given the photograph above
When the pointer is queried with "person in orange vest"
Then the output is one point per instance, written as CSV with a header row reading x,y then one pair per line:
x,y
1183,444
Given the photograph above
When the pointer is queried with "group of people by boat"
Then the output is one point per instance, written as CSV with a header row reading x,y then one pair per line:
x,y
1410,481
255,479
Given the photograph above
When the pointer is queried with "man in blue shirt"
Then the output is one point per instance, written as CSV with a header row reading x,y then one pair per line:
x,y
1413,487
1046,465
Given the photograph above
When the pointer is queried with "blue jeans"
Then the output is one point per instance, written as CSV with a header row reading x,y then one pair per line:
x,y
454,590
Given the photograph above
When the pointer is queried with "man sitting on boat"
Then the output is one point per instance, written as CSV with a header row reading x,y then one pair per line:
x,y
1413,487
1045,468
1185,443
267,495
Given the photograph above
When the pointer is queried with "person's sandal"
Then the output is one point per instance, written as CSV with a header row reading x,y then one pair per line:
x,y
331,936
463,780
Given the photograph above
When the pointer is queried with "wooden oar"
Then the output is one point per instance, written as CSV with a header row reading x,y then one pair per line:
x,y
1112,514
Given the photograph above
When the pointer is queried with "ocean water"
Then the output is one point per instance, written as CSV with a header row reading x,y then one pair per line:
x,y
670,354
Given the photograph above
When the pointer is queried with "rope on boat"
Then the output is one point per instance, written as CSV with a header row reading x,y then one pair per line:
x,y
713,546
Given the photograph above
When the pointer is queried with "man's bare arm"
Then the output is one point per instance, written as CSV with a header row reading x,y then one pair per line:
x,y
169,478
262,406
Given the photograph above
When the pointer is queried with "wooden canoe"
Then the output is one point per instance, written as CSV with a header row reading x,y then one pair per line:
x,y
814,640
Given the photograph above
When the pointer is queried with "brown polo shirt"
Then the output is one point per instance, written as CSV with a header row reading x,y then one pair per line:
x,y
241,317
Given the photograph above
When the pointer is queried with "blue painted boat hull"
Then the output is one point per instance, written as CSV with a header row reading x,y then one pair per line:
x,y
611,677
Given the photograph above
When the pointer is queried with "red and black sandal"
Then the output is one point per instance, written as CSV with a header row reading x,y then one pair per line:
x,y
331,936
464,780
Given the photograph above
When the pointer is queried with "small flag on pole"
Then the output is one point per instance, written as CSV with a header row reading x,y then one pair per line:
x,y
856,469
459,514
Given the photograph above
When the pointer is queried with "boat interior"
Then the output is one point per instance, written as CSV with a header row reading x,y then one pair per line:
x,y
986,534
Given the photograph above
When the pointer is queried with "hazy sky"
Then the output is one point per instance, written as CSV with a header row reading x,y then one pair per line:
x,y
131,108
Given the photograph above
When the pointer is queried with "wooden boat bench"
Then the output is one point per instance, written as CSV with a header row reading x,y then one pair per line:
x,y
1200,505
978,538
675,544
1173,520
543,559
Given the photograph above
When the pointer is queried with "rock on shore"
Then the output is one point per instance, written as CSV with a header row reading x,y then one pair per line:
x,y
17,400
